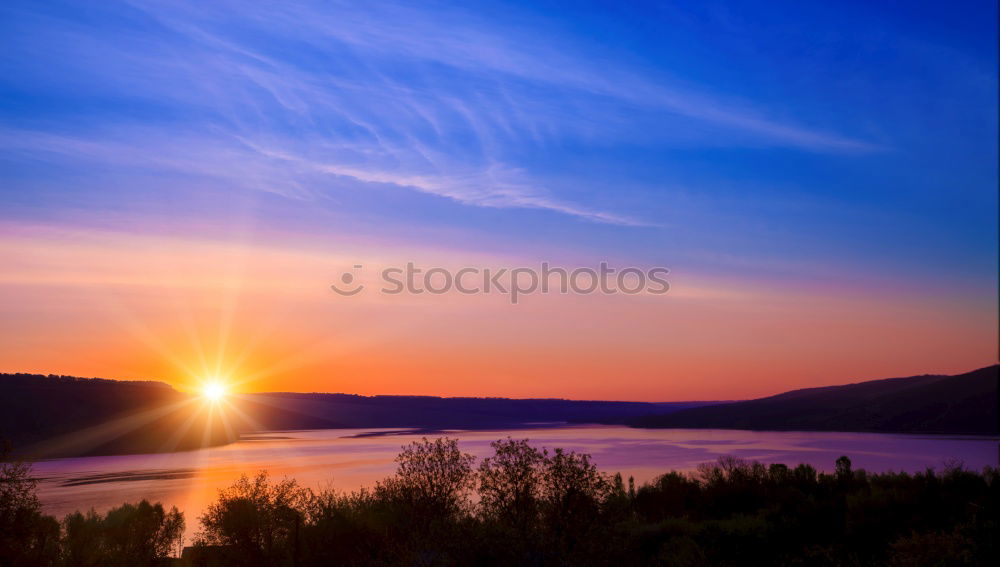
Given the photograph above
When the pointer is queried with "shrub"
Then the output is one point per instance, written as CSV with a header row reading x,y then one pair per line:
x,y
131,534
256,520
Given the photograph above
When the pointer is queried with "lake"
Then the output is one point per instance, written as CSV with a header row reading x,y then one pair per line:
x,y
350,458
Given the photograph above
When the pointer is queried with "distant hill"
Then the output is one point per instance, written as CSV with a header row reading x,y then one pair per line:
x,y
314,411
68,416
48,416
966,403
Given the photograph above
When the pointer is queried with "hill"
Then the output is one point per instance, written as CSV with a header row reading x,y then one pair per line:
x,y
966,403
49,416
300,411
69,416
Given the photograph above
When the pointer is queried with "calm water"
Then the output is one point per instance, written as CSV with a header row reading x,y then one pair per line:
x,y
339,458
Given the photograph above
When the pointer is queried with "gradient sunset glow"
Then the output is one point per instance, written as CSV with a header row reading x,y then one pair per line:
x,y
181,184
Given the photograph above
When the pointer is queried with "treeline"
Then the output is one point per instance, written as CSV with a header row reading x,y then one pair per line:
x,y
525,506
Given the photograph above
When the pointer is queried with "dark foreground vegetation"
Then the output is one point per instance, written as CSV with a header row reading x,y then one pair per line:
x,y
525,506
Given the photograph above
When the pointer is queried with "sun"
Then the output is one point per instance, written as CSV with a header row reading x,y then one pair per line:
x,y
213,391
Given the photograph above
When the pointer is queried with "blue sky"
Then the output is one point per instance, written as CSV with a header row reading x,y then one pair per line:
x,y
800,142
180,181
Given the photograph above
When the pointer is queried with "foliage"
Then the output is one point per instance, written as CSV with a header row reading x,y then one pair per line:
x,y
529,506
140,534
26,536
131,534
257,520
433,479
510,484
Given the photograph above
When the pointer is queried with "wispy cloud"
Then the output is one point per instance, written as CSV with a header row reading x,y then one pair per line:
x,y
250,165
479,48
440,101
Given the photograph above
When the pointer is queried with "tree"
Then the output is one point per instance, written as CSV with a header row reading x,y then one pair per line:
x,y
82,542
131,534
143,533
843,469
434,477
510,484
510,492
27,537
258,521
571,478
573,493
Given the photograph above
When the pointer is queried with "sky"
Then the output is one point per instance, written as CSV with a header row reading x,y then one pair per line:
x,y
181,182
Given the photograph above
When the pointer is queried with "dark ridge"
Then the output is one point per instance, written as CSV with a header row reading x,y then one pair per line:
x,y
45,416
59,416
277,411
962,404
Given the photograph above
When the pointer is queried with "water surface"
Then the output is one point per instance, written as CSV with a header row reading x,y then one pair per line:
x,y
350,458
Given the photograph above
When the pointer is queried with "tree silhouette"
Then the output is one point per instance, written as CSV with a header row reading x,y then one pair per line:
x,y
131,534
510,484
525,506
257,520
26,536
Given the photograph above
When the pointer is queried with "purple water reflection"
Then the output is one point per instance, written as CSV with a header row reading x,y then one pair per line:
x,y
322,458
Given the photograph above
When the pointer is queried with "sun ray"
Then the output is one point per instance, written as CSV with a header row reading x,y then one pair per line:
x,y
174,441
244,416
92,437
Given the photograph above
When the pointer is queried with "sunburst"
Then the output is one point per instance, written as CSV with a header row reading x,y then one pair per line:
x,y
214,391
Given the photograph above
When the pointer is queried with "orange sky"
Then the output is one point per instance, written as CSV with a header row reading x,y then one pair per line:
x,y
128,306
181,183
